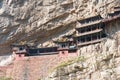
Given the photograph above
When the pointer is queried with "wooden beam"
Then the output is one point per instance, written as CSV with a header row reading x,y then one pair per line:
x,y
90,42
89,24
90,32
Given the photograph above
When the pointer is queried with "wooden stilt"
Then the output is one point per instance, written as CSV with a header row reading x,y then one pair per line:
x,y
100,35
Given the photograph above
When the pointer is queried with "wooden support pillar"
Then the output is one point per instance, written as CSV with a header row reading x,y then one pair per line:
x,y
90,28
110,28
94,19
38,51
116,25
86,21
99,26
85,29
91,37
105,28
77,40
85,39
97,37
100,35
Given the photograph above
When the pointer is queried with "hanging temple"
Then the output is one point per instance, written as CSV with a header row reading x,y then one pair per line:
x,y
92,30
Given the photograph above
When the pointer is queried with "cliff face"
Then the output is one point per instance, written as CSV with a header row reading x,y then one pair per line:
x,y
95,67
96,62
40,21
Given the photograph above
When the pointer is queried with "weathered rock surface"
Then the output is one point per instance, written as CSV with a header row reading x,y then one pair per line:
x,y
94,66
40,21
101,61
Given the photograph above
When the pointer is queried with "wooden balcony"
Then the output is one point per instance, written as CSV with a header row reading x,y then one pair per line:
x,y
89,24
111,18
63,48
116,10
90,32
68,48
90,42
48,53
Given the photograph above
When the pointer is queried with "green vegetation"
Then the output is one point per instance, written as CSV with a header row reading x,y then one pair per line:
x,y
5,78
69,62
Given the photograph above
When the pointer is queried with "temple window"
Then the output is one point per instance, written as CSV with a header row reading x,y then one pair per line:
x,y
19,55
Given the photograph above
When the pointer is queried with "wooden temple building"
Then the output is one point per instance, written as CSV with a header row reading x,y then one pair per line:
x,y
113,16
67,46
91,30
42,51
24,50
20,51
63,49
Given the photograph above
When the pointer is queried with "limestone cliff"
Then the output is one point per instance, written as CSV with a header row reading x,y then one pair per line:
x,y
95,67
96,62
41,21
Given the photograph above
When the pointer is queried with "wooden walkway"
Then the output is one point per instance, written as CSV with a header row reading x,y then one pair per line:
x,y
89,24
90,32
90,42
111,19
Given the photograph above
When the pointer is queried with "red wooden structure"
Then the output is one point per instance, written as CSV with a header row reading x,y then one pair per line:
x,y
67,46
20,55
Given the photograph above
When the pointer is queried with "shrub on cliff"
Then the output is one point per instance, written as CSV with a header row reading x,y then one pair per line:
x,y
5,78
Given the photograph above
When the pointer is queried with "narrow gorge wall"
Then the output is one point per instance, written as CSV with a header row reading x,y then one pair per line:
x,y
40,21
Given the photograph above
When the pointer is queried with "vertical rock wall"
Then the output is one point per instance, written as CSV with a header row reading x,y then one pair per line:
x,y
40,21
100,61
